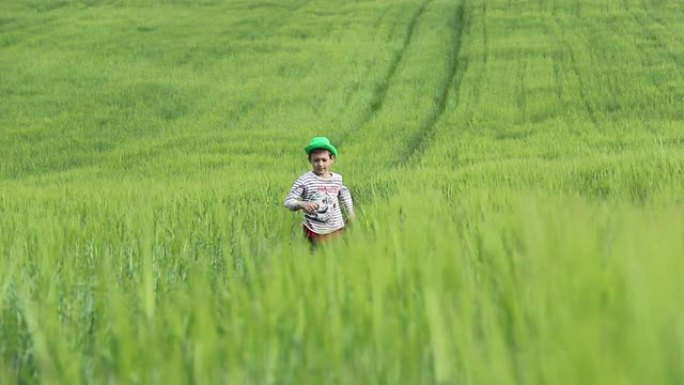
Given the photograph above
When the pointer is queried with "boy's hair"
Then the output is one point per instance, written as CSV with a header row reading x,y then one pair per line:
x,y
330,154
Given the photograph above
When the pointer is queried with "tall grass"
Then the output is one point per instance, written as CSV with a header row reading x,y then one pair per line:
x,y
496,287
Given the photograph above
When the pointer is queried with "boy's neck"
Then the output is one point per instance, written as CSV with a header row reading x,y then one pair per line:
x,y
325,175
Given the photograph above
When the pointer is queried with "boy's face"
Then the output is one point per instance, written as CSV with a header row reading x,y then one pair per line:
x,y
321,161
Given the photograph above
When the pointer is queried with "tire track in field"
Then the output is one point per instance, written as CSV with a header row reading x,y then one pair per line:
x,y
380,91
591,113
557,59
292,13
378,21
480,68
659,19
520,94
663,47
457,66
658,41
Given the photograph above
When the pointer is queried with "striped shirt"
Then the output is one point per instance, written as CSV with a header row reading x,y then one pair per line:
x,y
328,193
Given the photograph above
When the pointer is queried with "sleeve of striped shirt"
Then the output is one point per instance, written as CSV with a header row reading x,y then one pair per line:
x,y
346,199
294,198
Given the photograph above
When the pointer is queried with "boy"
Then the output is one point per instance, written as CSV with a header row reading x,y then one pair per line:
x,y
319,194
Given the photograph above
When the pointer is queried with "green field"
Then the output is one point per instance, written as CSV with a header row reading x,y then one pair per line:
x,y
517,168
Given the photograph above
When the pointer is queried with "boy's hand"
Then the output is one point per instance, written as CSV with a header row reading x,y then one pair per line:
x,y
349,220
309,207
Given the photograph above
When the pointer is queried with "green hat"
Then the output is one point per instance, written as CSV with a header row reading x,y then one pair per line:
x,y
320,143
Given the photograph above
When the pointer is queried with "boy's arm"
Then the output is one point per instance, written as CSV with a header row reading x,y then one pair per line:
x,y
347,201
293,201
